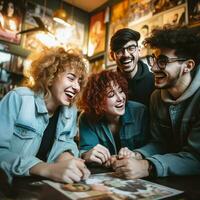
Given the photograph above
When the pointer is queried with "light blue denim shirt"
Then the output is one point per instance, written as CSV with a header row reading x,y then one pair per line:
x,y
23,119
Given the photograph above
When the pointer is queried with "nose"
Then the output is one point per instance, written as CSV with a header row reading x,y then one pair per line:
x,y
155,67
119,96
76,86
125,52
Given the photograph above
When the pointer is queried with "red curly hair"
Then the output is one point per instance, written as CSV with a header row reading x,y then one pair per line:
x,y
94,95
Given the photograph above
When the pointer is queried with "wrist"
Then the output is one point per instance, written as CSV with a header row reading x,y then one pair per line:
x,y
151,169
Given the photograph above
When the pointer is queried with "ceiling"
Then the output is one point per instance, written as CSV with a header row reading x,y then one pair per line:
x,y
86,5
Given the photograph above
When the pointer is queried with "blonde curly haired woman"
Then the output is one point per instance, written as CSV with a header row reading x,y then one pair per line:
x,y
38,122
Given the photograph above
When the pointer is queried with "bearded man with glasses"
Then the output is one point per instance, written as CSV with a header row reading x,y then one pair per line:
x,y
175,108
125,51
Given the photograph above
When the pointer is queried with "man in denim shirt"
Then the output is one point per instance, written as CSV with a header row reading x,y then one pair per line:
x,y
175,108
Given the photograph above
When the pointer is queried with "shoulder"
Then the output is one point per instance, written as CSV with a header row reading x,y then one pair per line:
x,y
133,105
24,91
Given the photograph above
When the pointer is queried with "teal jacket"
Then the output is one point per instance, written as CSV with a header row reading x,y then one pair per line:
x,y
175,128
23,120
133,131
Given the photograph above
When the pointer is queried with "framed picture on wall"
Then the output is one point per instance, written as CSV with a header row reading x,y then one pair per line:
x,y
97,32
162,5
118,20
11,18
194,12
145,28
97,65
175,17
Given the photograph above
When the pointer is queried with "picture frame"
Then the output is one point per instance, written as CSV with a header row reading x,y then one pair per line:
x,y
175,17
194,12
97,34
119,19
11,18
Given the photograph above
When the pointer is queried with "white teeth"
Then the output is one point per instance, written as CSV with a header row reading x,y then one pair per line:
x,y
70,94
127,61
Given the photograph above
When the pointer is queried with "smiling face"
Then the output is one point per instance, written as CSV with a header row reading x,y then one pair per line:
x,y
171,75
127,61
65,88
115,101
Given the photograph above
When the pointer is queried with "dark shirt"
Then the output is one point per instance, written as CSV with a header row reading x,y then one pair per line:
x,y
48,137
141,86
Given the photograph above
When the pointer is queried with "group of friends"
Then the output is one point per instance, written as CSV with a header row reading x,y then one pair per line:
x,y
137,121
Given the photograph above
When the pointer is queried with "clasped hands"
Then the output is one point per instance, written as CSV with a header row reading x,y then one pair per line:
x,y
127,163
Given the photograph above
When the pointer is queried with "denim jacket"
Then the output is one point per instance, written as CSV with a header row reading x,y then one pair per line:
x,y
23,119
133,131
175,129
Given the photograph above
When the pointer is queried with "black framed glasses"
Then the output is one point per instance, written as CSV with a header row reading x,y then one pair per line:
x,y
162,60
131,49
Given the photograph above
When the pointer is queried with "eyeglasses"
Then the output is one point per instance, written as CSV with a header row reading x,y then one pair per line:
x,y
162,60
131,49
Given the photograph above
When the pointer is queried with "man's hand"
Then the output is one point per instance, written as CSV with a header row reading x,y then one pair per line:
x,y
98,154
125,152
131,168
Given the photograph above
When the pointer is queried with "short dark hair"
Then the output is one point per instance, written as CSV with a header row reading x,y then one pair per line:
x,y
121,37
185,41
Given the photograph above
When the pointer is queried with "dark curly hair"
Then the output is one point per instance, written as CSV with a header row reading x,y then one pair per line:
x,y
185,41
93,98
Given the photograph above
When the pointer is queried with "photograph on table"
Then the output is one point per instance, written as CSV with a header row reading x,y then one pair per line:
x,y
11,19
145,28
139,10
162,5
97,33
118,20
109,186
175,17
194,12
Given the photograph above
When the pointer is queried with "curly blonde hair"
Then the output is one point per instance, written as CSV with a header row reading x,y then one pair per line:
x,y
50,64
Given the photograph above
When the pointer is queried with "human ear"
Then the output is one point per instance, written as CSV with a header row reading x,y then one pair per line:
x,y
190,64
112,55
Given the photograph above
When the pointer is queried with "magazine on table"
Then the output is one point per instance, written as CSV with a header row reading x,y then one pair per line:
x,y
107,186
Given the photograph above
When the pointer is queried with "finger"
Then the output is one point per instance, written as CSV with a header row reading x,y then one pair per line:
x,y
86,173
74,177
119,163
104,150
93,158
101,156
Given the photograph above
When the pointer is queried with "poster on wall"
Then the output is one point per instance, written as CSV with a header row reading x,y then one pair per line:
x,y
145,28
97,32
139,10
162,5
194,12
11,18
37,10
119,19
175,17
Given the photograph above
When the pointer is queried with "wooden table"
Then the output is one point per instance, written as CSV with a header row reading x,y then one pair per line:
x,y
29,188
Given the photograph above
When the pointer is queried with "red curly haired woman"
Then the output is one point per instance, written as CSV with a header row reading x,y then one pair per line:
x,y
110,125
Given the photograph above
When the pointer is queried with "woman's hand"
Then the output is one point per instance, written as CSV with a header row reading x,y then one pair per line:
x,y
98,154
68,171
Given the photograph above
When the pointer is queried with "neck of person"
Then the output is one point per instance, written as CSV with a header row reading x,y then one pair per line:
x,y
112,119
181,86
132,73
51,105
